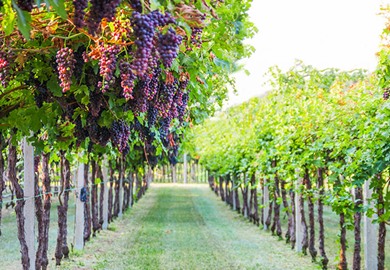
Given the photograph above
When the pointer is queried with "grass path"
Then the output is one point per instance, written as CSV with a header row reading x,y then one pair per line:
x,y
185,227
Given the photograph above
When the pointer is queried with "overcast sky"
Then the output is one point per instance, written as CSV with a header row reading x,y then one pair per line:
x,y
343,34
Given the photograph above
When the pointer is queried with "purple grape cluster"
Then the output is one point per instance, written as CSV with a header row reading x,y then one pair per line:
x,y
168,46
386,93
4,69
79,57
167,93
173,149
144,29
183,107
136,5
153,84
110,9
140,102
144,26
65,66
79,131
162,19
120,133
98,135
26,5
101,9
152,115
127,79
164,130
196,36
95,102
107,64
79,12
41,95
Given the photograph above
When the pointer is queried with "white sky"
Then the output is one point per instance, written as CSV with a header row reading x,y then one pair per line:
x,y
343,34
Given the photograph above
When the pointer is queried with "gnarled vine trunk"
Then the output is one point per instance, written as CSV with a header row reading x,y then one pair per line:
x,y
321,230
356,265
382,225
110,195
276,224
101,197
94,199
87,205
301,204
312,249
255,213
286,206
343,265
62,249
19,209
292,227
43,237
2,182
221,189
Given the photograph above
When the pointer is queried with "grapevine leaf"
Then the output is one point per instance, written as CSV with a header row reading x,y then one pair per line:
x,y
59,7
8,22
23,22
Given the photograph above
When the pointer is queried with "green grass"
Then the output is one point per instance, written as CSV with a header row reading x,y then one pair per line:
x,y
9,243
185,227
179,227
332,245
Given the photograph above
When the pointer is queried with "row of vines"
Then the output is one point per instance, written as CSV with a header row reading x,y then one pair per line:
x,y
81,80
309,145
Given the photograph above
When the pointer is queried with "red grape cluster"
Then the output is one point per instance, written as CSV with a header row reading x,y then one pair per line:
x,y
107,64
120,133
4,69
65,66
127,79
168,46
26,5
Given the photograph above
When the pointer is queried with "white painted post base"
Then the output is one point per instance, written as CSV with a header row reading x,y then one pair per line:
x,y
370,233
79,228
29,207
